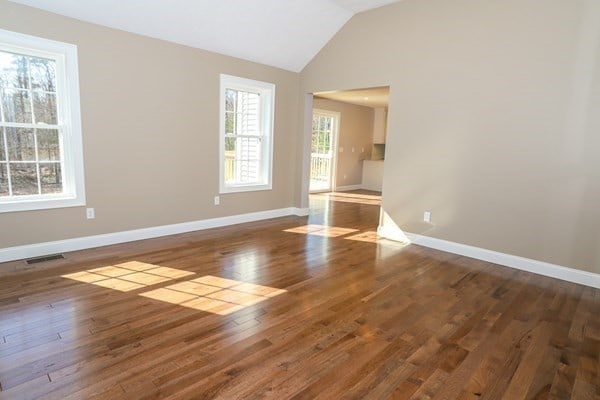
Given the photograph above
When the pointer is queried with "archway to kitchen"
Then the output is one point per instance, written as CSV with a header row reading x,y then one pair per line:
x,y
347,149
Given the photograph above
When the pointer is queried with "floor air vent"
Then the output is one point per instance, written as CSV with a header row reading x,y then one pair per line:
x,y
37,260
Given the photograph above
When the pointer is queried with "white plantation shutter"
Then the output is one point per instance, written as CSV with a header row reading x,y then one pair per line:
x,y
246,134
249,138
248,105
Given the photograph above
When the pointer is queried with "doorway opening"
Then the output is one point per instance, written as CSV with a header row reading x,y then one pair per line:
x,y
325,127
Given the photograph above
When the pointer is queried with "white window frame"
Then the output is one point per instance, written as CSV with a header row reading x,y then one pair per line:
x,y
69,121
267,113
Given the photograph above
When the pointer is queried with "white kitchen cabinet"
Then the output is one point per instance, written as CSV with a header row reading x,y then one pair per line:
x,y
379,125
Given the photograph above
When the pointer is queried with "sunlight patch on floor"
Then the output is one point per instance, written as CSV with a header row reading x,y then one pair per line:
x,y
128,276
355,195
369,237
321,230
208,293
214,294
349,198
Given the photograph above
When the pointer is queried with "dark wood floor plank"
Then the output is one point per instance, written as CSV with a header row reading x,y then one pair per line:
x,y
355,319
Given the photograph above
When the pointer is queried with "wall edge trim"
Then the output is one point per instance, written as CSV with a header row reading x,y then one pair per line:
x,y
573,275
87,242
300,212
348,187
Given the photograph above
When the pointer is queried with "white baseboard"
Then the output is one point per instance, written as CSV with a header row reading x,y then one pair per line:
x,y
348,187
88,242
525,264
301,212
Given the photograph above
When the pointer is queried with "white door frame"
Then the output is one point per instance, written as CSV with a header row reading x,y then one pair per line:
x,y
335,131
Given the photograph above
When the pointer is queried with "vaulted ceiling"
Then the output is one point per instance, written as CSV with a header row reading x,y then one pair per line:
x,y
281,33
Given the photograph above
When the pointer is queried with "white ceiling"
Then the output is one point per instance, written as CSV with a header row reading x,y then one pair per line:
x,y
374,97
281,33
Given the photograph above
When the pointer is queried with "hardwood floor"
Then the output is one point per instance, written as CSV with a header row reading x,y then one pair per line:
x,y
290,308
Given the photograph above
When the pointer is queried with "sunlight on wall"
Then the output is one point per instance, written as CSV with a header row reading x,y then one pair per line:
x,y
213,294
321,230
128,276
389,229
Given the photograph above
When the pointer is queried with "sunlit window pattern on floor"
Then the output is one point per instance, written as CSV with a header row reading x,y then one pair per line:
x,y
357,198
321,230
214,294
369,237
128,276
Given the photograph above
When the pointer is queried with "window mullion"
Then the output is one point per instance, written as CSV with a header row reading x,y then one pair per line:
x,y
37,162
10,189
62,143
1,106
33,121
30,90
30,126
244,136
9,180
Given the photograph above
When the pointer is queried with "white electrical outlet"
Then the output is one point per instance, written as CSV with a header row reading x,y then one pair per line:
x,y
353,149
90,213
362,149
217,200
344,176
427,216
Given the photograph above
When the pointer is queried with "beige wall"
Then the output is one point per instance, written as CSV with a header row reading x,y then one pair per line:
x,y
150,115
494,116
356,131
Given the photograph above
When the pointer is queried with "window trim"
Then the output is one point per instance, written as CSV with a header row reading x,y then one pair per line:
x,y
69,120
267,92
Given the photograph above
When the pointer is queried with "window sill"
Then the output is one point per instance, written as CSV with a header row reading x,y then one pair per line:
x,y
243,188
40,204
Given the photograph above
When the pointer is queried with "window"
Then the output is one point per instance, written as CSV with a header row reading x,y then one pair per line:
x,y
246,134
41,163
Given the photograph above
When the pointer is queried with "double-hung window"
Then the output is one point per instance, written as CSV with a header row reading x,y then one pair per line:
x,y
246,145
41,163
